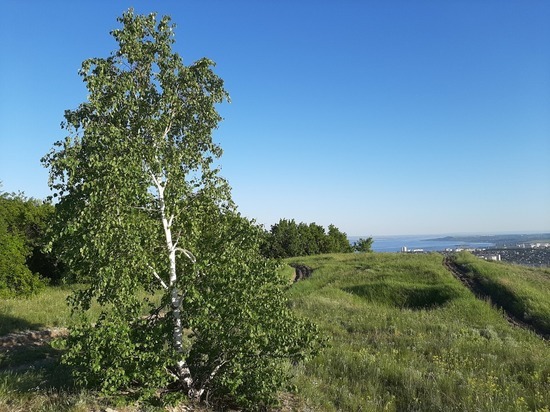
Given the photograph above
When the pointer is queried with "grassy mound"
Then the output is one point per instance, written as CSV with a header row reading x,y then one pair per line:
x,y
405,335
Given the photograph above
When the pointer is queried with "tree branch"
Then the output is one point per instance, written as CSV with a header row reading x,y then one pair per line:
x,y
155,315
156,275
156,181
177,237
187,253
168,127
212,375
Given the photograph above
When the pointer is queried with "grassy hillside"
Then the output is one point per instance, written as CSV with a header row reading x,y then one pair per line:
x,y
405,335
402,335
523,291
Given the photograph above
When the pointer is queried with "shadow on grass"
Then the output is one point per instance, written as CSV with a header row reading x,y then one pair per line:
x,y
414,297
9,324
31,368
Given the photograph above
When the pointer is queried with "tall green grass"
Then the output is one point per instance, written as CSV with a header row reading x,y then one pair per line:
x,y
404,335
47,309
31,376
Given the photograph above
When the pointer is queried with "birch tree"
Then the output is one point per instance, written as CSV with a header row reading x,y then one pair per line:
x,y
142,213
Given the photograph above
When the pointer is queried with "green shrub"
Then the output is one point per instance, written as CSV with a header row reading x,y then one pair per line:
x,y
23,262
288,239
15,277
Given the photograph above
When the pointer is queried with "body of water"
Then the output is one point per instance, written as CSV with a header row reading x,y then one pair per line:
x,y
427,243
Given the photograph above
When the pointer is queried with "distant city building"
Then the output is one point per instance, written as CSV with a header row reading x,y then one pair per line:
x,y
538,257
534,245
405,249
494,258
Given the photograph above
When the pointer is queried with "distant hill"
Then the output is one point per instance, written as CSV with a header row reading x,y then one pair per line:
x,y
500,240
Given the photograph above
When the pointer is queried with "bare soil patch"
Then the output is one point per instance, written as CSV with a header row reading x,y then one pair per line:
x,y
31,338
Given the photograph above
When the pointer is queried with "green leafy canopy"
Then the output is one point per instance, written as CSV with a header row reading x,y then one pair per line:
x,y
24,267
141,207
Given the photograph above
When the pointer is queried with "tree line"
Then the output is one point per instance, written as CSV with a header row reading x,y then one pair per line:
x,y
25,264
289,239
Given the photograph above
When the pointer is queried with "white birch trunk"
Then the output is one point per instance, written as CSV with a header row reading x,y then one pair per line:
x,y
174,292
175,300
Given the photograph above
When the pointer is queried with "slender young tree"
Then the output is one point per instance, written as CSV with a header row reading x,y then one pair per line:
x,y
141,207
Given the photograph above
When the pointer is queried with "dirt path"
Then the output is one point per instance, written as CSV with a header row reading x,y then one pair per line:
x,y
21,351
31,338
478,291
301,272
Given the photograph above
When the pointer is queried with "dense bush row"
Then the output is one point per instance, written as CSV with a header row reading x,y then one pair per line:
x,y
288,239
24,265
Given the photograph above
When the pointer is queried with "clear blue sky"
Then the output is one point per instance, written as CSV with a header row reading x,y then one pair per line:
x,y
381,117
